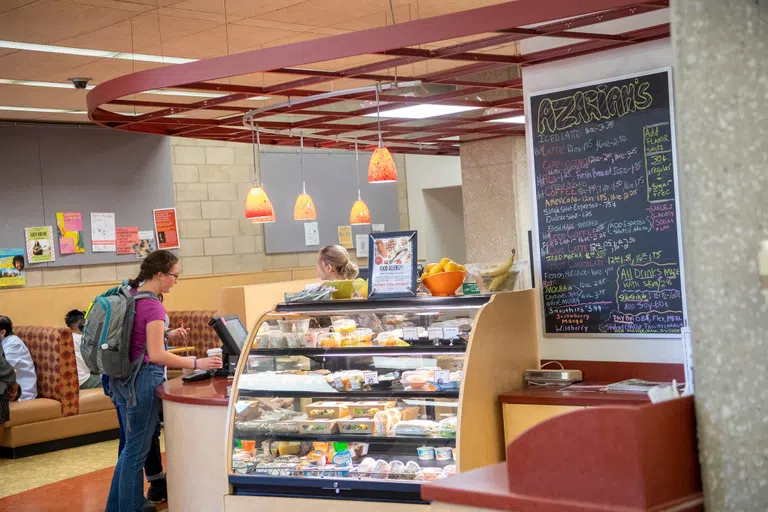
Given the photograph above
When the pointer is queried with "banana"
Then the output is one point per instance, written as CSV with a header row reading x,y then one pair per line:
x,y
498,281
501,269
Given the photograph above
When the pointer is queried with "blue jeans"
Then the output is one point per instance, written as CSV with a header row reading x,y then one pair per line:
x,y
141,420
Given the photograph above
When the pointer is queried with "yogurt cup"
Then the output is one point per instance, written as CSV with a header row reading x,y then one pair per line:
x,y
426,452
444,453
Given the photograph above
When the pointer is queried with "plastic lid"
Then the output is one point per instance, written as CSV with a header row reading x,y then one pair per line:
x,y
338,447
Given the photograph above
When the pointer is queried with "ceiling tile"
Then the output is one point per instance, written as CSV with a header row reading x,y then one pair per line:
x,y
9,5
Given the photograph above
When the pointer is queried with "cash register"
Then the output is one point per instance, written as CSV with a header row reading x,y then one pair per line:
x,y
233,335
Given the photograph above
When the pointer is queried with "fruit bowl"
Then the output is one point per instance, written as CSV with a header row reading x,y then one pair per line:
x,y
444,284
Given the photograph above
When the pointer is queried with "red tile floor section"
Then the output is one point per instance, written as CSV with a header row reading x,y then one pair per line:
x,y
84,493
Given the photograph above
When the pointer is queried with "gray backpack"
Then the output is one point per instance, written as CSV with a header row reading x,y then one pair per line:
x,y
106,343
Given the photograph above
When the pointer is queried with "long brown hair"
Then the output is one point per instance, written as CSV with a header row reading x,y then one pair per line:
x,y
156,262
338,257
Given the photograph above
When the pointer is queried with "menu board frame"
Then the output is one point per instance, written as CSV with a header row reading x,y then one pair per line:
x,y
531,141
374,261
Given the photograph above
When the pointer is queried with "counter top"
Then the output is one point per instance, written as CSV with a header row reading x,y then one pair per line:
x,y
551,396
208,392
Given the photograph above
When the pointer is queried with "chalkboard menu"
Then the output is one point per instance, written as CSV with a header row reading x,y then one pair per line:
x,y
608,244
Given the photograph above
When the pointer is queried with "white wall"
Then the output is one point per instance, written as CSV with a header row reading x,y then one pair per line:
x,y
427,173
633,59
445,217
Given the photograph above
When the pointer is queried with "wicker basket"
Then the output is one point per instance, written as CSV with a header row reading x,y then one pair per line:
x,y
484,283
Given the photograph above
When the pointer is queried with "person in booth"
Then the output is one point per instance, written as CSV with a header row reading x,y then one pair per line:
x,y
17,353
75,320
137,403
9,389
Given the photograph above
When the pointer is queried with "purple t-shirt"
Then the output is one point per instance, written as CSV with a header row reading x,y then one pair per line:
x,y
147,310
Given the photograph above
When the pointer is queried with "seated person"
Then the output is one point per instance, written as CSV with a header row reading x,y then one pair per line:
x,y
17,353
75,320
9,390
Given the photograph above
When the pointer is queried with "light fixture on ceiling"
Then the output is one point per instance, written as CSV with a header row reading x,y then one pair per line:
x,y
381,168
164,92
42,110
87,52
513,120
423,111
304,209
258,207
360,214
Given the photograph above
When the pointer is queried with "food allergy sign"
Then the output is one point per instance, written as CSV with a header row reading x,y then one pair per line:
x,y
608,239
392,264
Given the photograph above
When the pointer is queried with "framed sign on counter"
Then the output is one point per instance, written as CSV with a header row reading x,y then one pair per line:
x,y
392,264
608,241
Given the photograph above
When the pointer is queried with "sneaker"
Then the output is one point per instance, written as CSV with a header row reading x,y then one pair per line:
x,y
158,491
148,507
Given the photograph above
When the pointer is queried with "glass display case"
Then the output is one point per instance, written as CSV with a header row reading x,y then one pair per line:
x,y
360,399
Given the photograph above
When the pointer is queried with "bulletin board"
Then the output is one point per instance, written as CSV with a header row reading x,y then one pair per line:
x,y
65,168
331,183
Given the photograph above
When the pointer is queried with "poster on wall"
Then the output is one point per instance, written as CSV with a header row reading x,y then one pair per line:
x,y
103,237
166,228
311,234
39,242
345,237
145,245
12,268
604,172
392,264
69,227
361,246
127,239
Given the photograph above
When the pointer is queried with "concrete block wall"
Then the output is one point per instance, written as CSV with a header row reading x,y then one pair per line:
x,y
211,180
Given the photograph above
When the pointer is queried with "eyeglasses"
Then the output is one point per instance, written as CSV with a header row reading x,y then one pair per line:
x,y
175,276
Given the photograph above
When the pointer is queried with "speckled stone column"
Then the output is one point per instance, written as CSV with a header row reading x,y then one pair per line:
x,y
497,211
721,74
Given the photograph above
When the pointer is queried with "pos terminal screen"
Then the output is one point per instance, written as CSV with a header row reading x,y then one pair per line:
x,y
231,332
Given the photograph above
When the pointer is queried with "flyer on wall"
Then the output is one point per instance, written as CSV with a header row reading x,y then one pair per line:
x,y
70,231
127,239
392,264
39,242
103,237
12,268
166,228
145,245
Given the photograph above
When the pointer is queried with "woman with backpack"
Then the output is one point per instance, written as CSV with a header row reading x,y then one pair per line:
x,y
136,401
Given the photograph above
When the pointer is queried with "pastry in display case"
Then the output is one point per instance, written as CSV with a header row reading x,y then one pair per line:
x,y
323,407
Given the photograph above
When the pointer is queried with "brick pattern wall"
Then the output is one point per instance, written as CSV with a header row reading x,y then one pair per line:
x,y
211,180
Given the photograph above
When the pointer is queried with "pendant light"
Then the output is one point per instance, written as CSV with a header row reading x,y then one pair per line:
x,y
258,207
304,209
381,168
360,213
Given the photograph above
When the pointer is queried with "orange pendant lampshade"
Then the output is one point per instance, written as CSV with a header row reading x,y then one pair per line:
x,y
360,213
381,168
304,209
258,207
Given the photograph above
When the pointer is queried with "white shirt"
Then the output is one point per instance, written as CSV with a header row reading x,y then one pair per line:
x,y
17,353
83,373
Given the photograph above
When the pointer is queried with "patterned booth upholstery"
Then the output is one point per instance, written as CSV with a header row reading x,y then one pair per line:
x,y
201,335
62,416
53,353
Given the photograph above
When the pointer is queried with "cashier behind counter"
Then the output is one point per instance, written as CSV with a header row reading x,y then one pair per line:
x,y
233,335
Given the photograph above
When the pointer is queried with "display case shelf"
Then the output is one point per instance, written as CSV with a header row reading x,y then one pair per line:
x,y
421,303
354,438
348,395
360,351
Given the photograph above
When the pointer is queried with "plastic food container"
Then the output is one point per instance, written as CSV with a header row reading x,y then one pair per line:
x,y
368,409
318,426
277,339
390,339
300,325
426,452
444,453
310,338
262,340
344,326
293,340
417,381
329,340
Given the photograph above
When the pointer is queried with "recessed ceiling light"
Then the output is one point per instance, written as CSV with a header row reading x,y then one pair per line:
x,y
43,110
87,52
424,111
164,92
515,120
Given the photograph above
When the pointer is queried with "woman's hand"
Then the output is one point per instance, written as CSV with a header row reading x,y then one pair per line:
x,y
209,363
179,334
